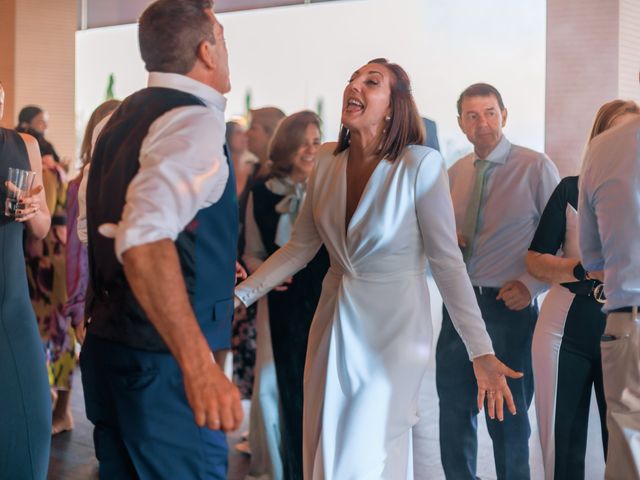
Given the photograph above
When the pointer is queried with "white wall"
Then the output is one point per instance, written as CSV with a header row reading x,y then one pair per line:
x,y
292,56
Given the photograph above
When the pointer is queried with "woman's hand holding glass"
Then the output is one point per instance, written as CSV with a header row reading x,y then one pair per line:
x,y
28,203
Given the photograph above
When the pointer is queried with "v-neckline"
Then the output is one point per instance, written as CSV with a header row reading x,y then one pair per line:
x,y
347,225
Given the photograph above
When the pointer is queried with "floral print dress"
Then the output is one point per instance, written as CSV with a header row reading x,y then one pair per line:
x,y
46,275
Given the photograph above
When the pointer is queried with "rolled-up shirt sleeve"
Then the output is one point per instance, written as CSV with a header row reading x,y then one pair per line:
x,y
182,170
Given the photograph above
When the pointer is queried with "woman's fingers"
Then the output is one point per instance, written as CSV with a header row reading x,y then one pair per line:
x,y
35,191
28,203
508,397
491,404
27,211
481,396
499,406
508,372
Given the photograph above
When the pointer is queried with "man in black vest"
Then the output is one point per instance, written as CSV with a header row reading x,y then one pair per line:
x,y
162,222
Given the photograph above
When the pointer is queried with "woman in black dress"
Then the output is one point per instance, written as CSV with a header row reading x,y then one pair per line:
x,y
25,403
271,212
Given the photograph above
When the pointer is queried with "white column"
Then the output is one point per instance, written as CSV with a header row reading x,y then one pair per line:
x,y
593,56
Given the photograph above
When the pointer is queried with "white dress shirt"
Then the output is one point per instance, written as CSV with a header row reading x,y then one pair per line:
x,y
182,168
609,213
519,183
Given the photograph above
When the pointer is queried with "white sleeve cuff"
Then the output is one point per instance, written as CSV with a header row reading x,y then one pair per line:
x,y
134,237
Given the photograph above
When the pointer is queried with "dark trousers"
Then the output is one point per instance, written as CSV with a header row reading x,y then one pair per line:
x,y
143,426
511,333
579,368
289,334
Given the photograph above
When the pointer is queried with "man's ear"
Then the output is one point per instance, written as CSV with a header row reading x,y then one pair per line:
x,y
460,124
504,117
204,54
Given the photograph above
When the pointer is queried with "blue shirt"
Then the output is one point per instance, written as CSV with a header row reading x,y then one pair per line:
x,y
609,213
519,183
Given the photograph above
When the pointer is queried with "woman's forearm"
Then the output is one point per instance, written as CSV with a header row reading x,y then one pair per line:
x,y
39,225
551,268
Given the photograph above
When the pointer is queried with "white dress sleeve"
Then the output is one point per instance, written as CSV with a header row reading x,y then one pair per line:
x,y
255,252
286,261
438,228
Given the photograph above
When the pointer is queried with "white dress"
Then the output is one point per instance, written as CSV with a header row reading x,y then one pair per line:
x,y
370,338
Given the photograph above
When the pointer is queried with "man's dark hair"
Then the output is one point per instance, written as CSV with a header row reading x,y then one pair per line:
x,y
27,114
480,90
170,32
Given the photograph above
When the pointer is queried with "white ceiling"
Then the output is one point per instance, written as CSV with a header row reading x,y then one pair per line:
x,y
98,13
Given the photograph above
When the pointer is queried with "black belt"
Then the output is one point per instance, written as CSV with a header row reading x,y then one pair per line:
x,y
624,310
486,291
584,287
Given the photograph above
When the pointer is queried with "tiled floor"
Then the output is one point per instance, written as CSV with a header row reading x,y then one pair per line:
x,y
72,456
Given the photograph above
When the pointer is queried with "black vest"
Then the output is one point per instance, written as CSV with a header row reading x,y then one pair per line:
x,y
307,283
206,247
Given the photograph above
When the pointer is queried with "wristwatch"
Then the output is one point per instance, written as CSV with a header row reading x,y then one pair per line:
x,y
580,273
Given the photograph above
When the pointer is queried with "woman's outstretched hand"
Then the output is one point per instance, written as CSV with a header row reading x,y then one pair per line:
x,y
491,376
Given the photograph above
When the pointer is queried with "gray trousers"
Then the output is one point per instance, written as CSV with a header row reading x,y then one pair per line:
x,y
620,348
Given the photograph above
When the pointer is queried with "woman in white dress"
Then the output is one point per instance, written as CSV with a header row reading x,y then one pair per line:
x,y
380,204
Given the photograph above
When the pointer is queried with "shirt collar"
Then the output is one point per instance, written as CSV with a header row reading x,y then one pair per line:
x,y
498,154
210,96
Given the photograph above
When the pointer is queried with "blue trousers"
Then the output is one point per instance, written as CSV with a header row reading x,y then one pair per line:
x,y
511,333
143,425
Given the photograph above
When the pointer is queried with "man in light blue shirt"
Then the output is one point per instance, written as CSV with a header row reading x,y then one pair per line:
x,y
499,193
609,225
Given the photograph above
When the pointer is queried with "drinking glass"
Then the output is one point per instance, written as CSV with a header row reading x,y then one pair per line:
x,y
19,183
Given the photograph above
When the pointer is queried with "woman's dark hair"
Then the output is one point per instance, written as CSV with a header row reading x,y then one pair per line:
x,y
287,139
405,127
101,111
27,114
25,117
170,32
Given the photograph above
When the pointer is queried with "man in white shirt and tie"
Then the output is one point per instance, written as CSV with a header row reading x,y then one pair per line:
x,y
609,226
499,193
